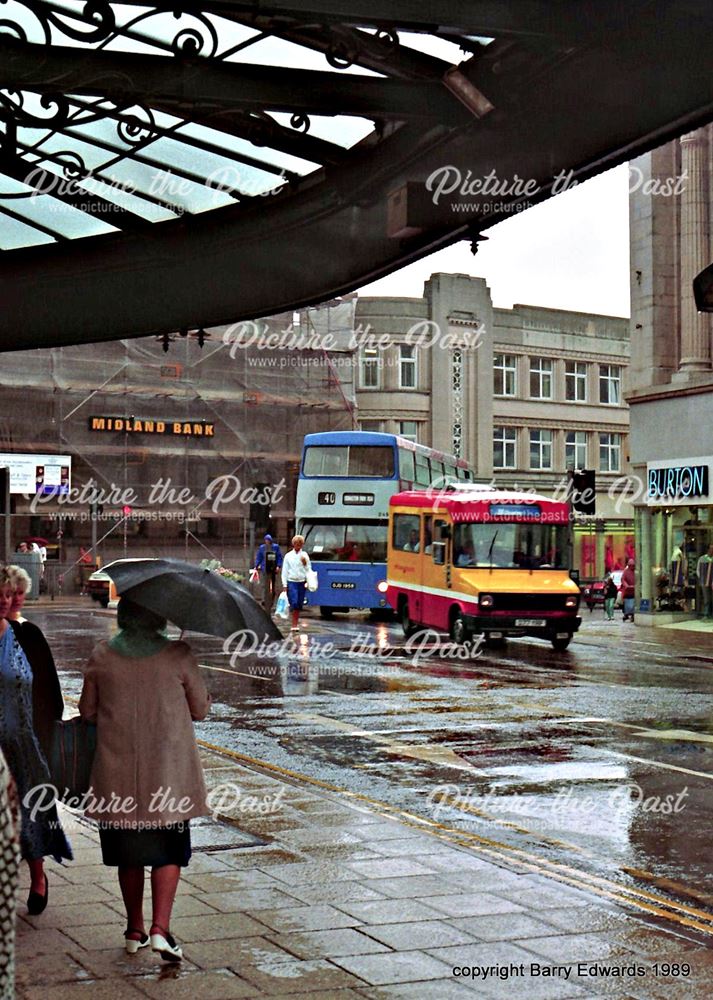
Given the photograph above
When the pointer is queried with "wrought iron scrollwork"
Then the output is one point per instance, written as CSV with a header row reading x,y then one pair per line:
x,y
13,107
300,122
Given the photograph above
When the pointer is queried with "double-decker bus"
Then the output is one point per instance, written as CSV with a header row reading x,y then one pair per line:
x,y
484,562
346,480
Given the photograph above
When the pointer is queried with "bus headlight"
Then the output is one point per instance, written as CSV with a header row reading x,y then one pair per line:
x,y
382,586
571,602
486,601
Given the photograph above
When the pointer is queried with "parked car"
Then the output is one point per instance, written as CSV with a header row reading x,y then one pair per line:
x,y
100,588
593,590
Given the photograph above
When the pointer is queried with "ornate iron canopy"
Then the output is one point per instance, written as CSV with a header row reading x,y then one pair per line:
x,y
166,166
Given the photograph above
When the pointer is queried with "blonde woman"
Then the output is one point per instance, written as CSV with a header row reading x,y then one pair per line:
x,y
295,567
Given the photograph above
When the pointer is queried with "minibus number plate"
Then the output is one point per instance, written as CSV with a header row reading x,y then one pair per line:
x,y
340,585
529,622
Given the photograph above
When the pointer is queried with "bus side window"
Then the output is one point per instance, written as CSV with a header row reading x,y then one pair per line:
x,y
406,532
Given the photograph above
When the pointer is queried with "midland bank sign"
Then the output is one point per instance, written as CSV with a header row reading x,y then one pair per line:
x,y
681,483
135,425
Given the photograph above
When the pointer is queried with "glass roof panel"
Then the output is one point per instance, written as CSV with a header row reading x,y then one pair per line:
x,y
236,144
14,234
59,217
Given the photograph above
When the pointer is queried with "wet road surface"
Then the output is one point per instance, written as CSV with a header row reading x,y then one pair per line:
x,y
597,761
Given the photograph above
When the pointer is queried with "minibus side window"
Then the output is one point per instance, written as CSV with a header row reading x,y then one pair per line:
x,y
428,534
440,542
406,532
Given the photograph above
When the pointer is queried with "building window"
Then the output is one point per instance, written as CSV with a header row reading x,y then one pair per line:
x,y
505,375
504,447
407,366
370,368
371,425
540,449
541,378
409,429
610,452
610,384
575,447
575,378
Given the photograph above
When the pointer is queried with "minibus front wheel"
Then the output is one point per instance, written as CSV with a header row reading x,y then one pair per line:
x,y
561,643
458,630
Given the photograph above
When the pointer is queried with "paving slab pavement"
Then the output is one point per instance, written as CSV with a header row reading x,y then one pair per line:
x,y
306,893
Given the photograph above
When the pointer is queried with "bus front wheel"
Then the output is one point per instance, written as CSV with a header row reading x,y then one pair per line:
x,y
409,628
326,613
560,644
458,630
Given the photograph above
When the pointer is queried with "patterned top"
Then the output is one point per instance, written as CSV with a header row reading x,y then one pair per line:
x,y
41,832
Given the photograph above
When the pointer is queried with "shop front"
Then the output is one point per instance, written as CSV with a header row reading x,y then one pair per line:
x,y
674,538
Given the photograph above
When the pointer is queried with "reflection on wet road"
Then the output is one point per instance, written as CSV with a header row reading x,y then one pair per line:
x,y
599,758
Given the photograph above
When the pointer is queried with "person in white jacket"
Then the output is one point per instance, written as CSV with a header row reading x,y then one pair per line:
x,y
295,567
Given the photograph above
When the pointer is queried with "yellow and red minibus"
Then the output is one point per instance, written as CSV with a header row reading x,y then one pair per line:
x,y
482,562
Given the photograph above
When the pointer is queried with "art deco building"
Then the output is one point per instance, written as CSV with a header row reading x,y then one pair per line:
x,y
523,394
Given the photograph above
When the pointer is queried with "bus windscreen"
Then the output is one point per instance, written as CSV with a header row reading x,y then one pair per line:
x,y
332,541
367,461
511,546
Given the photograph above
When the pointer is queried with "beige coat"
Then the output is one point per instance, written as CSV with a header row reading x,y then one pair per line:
x,y
146,769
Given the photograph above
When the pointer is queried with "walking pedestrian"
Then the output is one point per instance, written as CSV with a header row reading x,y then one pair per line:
x,y
144,691
295,567
610,592
627,590
268,561
29,705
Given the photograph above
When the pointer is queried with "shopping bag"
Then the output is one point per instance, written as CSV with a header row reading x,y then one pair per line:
x,y
282,609
74,744
254,575
312,580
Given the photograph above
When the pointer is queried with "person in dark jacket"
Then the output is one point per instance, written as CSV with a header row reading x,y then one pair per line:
x,y
29,702
268,561
610,592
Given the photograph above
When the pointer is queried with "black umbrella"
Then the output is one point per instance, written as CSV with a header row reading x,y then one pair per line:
x,y
194,598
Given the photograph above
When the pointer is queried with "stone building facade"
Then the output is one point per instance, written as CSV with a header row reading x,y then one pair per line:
x,y
671,377
523,394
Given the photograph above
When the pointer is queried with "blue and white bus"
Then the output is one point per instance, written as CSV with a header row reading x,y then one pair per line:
x,y
345,483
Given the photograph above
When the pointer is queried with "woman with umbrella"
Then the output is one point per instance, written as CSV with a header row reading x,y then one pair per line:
x,y
144,692
29,702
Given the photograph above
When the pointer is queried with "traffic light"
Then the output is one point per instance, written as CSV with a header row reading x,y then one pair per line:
x,y
583,495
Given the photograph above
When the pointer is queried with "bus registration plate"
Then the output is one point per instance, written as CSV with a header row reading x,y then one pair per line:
x,y
343,585
529,622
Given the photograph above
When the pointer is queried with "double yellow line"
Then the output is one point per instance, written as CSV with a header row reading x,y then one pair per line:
x,y
686,916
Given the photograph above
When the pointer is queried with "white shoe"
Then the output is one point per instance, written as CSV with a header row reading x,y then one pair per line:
x,y
133,946
166,946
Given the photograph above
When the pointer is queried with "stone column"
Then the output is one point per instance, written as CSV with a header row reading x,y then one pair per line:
x,y
694,240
